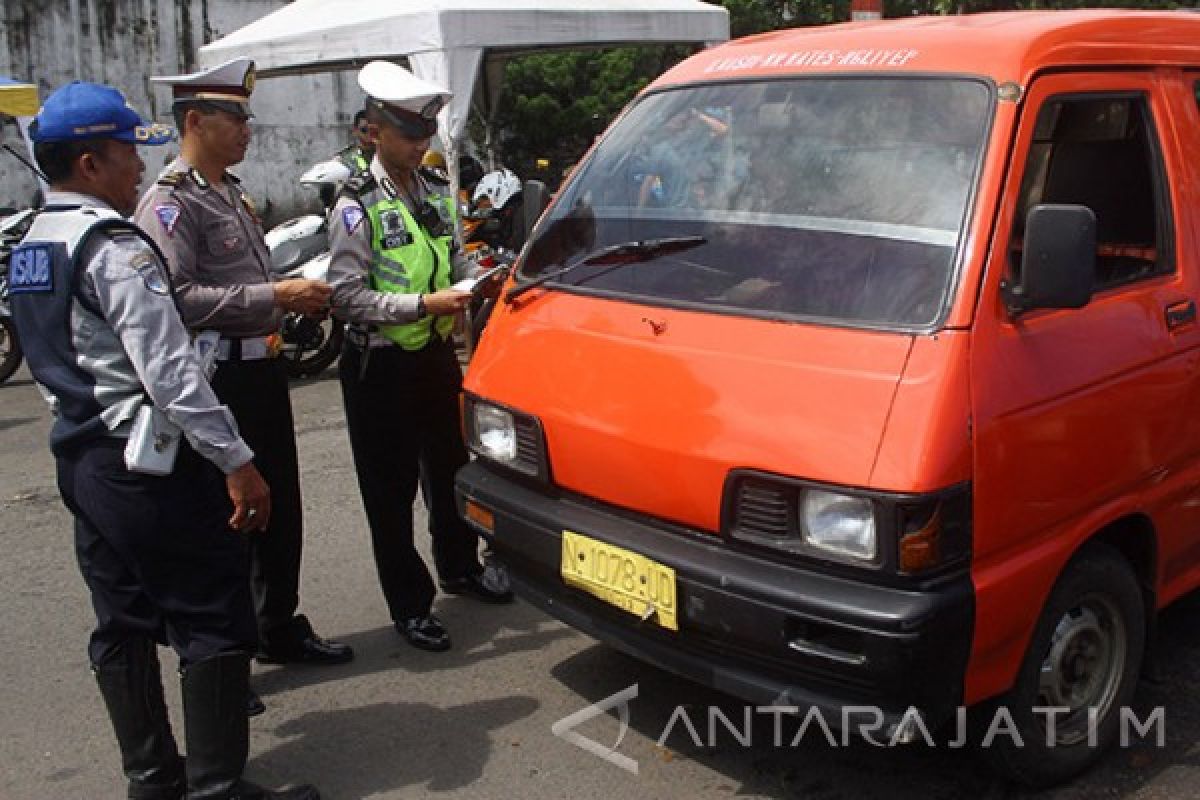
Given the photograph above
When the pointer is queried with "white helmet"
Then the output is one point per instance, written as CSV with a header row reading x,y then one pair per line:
x,y
332,172
498,187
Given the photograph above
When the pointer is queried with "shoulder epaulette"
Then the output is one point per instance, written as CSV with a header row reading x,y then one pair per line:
x,y
434,176
359,183
172,178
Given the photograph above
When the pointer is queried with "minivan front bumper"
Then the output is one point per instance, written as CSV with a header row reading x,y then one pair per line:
x,y
765,631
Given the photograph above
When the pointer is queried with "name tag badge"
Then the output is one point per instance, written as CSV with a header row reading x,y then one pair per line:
x,y
30,268
401,239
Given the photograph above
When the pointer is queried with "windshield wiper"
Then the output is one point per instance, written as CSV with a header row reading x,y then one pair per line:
x,y
617,255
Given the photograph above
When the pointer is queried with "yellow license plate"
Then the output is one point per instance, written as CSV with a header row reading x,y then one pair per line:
x,y
620,578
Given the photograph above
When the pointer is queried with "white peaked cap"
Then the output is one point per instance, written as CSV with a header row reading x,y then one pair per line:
x,y
394,85
231,81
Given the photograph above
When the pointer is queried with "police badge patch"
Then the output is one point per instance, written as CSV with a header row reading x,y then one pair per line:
x,y
144,264
167,217
394,233
31,269
351,216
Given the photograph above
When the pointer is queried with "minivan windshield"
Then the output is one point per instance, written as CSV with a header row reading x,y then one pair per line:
x,y
836,199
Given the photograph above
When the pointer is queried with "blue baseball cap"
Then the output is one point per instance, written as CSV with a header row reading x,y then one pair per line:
x,y
83,110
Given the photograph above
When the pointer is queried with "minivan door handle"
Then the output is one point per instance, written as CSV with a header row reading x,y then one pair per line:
x,y
1180,314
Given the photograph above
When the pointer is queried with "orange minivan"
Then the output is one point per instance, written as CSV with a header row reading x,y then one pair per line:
x,y
860,366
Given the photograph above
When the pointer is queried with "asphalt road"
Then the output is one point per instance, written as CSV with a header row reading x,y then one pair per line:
x,y
471,723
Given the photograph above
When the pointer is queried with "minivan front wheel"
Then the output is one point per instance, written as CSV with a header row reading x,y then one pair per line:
x,y
1080,670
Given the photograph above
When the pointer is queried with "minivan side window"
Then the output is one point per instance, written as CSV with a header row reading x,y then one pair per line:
x,y
1102,152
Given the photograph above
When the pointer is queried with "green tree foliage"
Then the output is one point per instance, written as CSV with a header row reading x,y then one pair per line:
x,y
554,104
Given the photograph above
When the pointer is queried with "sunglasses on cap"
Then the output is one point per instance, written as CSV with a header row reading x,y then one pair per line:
x,y
414,126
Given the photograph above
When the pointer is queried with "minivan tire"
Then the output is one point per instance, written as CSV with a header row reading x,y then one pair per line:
x,y
1091,637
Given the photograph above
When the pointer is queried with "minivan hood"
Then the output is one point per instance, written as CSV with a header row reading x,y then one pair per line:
x,y
649,408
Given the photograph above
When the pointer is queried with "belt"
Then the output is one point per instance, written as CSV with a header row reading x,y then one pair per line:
x,y
362,339
254,348
372,340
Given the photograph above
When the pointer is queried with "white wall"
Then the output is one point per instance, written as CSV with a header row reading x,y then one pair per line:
x,y
298,121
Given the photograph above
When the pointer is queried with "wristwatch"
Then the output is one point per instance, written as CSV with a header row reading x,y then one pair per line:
x,y
421,312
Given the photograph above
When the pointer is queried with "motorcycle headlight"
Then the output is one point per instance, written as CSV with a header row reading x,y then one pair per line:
x,y
838,523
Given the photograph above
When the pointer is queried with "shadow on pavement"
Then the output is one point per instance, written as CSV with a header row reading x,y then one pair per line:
x,y
388,746
16,422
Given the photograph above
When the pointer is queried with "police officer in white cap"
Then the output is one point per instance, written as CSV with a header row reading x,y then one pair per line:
x,y
393,261
161,541
206,225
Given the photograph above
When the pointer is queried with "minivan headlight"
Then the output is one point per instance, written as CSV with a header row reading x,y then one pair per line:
x,y
505,436
496,435
838,523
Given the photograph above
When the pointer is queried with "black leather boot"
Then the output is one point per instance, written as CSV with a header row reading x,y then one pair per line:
x,y
131,686
217,733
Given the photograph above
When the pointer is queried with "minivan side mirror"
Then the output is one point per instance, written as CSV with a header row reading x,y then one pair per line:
x,y
537,197
1058,265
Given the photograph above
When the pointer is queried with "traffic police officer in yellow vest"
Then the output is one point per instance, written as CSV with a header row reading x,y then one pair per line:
x,y
357,157
202,219
393,262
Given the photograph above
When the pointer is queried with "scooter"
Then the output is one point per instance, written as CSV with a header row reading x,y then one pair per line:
x,y
493,234
12,230
299,248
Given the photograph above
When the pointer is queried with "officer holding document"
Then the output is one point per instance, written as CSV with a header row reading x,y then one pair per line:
x,y
202,219
393,263
163,489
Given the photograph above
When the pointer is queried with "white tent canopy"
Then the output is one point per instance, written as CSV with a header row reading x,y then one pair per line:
x,y
447,41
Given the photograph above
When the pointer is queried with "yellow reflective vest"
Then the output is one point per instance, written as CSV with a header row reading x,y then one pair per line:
x,y
407,259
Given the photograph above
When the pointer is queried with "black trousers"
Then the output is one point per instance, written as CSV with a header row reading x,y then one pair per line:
x,y
157,553
402,415
257,394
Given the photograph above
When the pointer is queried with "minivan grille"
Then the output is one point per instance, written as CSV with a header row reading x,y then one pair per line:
x,y
529,448
763,510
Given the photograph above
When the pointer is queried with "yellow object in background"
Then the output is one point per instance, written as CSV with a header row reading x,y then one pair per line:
x,y
18,99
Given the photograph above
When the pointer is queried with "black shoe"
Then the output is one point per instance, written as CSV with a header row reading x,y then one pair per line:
x,y
489,585
300,645
309,650
254,704
425,632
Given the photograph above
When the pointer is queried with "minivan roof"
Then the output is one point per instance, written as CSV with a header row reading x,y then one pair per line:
x,y
1005,46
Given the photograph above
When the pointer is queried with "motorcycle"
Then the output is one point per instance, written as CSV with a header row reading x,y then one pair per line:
x,y
493,234
12,230
299,248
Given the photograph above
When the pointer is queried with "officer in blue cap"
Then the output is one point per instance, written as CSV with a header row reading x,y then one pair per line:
x,y
161,541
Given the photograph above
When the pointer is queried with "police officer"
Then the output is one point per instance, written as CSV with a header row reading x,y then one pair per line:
x,y
357,157
164,555
213,240
392,262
